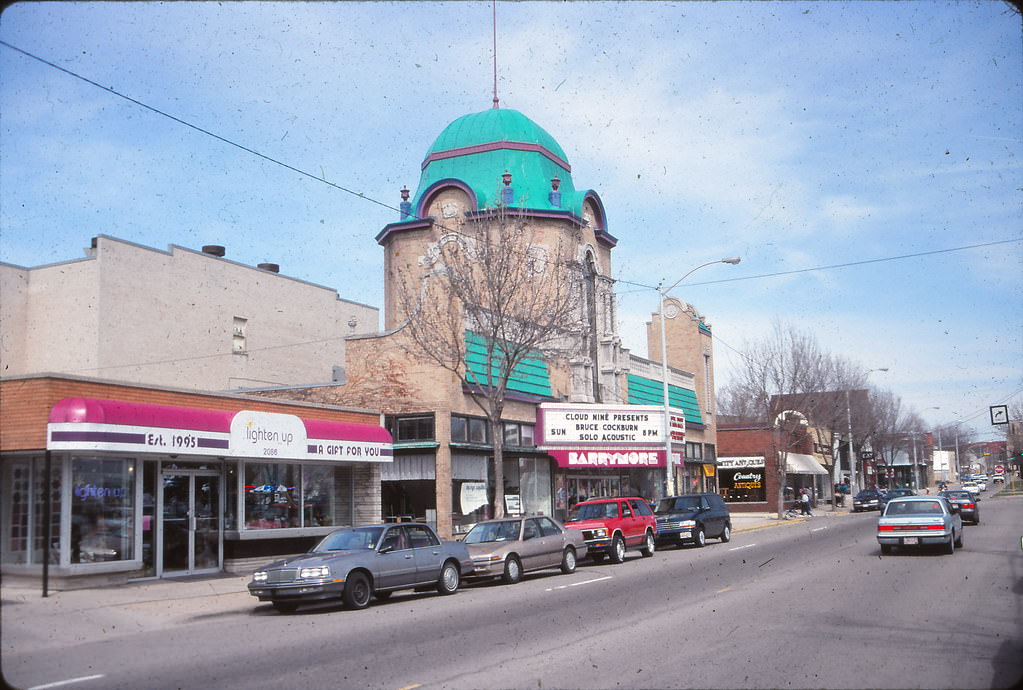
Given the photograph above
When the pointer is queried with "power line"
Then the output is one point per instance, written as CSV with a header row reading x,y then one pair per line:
x,y
225,140
829,267
360,195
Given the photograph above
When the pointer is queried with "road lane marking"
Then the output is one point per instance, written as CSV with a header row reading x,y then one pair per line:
x,y
818,529
65,682
744,546
722,591
412,687
576,584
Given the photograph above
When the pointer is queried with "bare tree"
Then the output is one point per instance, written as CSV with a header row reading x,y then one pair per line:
x,y
779,384
497,283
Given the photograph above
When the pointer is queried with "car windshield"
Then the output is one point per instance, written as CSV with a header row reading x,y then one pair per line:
x,y
593,511
914,508
956,494
678,504
346,539
506,530
867,493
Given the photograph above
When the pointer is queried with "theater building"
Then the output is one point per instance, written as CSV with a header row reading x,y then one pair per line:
x,y
105,482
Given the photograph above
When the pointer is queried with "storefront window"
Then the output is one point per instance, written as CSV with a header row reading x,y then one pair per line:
x,y
274,493
535,486
318,495
271,495
102,509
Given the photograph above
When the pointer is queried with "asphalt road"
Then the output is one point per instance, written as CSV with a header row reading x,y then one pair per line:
x,y
806,605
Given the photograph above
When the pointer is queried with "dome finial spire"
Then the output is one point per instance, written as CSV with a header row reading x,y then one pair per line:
x,y
494,5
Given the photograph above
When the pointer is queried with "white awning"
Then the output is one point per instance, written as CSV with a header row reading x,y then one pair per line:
x,y
798,463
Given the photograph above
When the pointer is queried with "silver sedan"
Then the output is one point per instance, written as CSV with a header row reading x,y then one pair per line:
x,y
509,547
358,563
915,521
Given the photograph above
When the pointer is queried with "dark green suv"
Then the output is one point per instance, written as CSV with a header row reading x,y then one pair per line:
x,y
691,518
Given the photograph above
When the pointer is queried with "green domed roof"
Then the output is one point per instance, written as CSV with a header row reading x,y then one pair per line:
x,y
476,149
496,124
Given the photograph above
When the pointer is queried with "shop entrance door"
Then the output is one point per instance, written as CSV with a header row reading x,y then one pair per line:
x,y
190,523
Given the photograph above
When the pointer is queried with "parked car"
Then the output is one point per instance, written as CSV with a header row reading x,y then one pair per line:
x,y
969,509
612,525
868,499
359,562
509,547
972,487
692,518
894,493
916,521
981,481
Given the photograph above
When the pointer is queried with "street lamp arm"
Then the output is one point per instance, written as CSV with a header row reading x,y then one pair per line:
x,y
730,260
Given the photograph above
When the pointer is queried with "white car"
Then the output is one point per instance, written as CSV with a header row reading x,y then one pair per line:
x,y
972,487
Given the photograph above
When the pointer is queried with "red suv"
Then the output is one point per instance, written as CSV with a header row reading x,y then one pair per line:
x,y
612,525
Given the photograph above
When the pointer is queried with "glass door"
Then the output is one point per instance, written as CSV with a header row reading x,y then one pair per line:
x,y
190,523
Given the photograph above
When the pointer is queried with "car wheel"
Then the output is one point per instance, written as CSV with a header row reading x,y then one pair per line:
x,y
617,549
285,606
357,591
383,596
886,549
648,546
568,561
700,540
449,579
726,534
512,570
959,541
950,547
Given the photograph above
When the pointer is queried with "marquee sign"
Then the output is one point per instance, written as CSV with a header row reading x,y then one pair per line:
x,y
561,424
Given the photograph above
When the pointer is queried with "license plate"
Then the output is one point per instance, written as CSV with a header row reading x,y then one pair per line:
x,y
910,541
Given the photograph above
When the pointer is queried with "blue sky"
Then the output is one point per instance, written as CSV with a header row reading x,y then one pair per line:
x,y
795,135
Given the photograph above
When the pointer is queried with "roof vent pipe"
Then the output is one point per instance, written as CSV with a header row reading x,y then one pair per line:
x,y
214,250
273,268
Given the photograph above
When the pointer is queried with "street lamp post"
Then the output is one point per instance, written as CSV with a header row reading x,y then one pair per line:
x,y
669,483
853,478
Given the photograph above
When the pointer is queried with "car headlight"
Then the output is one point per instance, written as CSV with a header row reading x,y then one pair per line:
x,y
600,532
687,523
259,576
318,571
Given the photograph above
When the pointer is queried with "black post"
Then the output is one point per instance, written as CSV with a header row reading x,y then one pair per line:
x,y
48,528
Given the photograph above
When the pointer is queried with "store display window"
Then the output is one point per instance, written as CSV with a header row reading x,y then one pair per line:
x,y
283,495
102,509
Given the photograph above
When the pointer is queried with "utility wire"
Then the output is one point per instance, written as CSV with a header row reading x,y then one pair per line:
x,y
900,257
642,286
113,91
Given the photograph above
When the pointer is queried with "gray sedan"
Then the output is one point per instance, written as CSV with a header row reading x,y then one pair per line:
x,y
509,547
916,521
357,563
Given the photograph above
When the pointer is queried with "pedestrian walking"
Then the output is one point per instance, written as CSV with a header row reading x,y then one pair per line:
x,y
804,503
